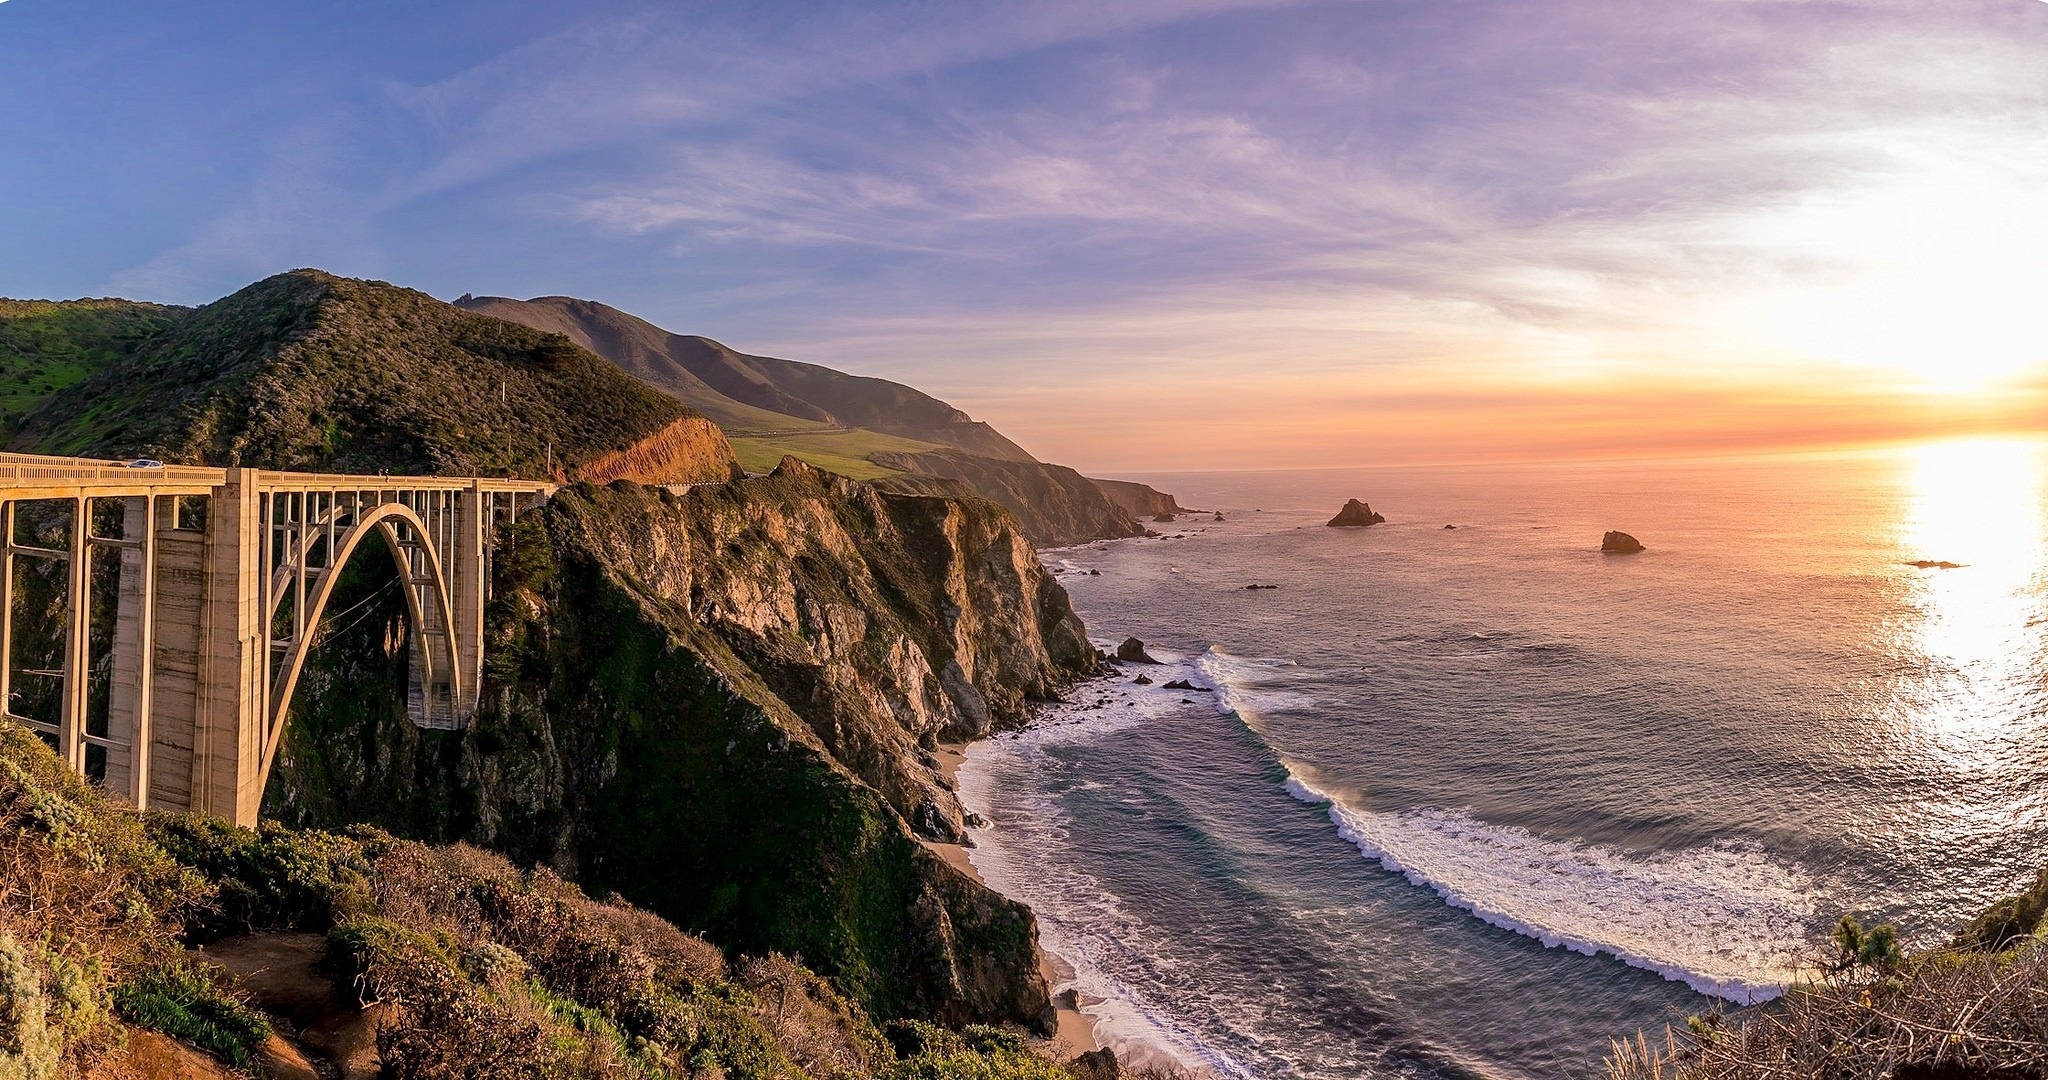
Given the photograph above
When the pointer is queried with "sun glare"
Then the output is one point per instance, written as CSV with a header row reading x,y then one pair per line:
x,y
1939,282
1974,517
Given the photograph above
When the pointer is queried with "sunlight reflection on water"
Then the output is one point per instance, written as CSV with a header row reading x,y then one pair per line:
x,y
1975,503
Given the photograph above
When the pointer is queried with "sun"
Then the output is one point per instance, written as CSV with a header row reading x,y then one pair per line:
x,y
1942,283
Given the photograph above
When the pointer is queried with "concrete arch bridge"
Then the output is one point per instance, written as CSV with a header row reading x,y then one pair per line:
x,y
173,691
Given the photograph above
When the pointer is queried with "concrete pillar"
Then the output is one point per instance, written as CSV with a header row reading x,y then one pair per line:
x,y
77,638
129,705
466,571
227,760
181,612
7,608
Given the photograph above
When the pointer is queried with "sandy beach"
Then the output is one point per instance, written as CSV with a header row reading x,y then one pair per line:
x,y
1074,1033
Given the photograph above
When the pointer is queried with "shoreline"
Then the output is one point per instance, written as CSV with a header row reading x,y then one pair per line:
x,y
1073,1032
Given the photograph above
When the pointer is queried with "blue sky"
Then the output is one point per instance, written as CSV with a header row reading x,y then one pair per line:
x,y
1134,235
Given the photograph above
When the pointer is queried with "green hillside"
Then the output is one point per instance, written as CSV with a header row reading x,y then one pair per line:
x,y
843,452
47,346
306,370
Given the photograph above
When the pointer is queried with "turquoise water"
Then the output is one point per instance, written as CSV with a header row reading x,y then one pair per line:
x,y
1473,801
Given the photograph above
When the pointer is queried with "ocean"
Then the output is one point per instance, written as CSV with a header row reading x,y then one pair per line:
x,y
1474,801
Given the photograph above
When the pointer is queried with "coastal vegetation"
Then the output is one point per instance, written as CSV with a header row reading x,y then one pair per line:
x,y
47,346
1976,1007
452,961
305,370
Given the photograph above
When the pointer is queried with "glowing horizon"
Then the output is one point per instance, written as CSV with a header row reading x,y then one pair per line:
x,y
1169,234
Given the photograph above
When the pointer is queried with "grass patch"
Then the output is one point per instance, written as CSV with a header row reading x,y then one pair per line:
x,y
180,999
845,452
48,346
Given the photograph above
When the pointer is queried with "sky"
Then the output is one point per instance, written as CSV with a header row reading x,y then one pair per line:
x,y
1135,235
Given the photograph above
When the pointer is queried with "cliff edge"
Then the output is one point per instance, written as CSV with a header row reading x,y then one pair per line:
x,y
720,704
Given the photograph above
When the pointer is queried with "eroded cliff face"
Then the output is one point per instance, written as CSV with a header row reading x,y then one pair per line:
x,y
692,450
1056,505
719,704
1138,500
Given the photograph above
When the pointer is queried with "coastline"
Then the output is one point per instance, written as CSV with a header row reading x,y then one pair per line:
x,y
1073,1031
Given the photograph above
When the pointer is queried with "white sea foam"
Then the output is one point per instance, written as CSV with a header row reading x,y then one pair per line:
x,y
1725,919
1080,920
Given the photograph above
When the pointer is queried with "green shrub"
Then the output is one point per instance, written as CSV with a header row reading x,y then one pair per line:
x,y
270,877
930,1052
187,1001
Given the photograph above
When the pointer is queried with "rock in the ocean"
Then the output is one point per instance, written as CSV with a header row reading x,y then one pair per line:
x,y
1162,517
1935,564
1219,515
1251,587
1097,1065
1182,684
1355,514
1450,526
1143,680
1133,650
1620,543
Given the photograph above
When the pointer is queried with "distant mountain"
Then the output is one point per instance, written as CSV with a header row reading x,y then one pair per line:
x,y
751,394
306,370
1056,505
870,429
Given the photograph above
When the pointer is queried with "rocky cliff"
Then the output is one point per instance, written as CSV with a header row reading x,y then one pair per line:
x,y
1141,501
1056,505
719,704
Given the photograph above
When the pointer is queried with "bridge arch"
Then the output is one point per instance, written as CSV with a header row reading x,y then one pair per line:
x,y
318,556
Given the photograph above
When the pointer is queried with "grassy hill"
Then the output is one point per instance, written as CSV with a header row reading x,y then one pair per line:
x,y
865,428
306,370
757,397
47,346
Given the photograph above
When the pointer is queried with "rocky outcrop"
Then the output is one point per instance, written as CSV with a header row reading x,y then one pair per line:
x,y
1139,500
716,704
1620,543
1133,651
1056,505
1355,515
690,451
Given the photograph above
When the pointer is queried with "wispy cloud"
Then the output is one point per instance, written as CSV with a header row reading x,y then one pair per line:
x,y
1353,199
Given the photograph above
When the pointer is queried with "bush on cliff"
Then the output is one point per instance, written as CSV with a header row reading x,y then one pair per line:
x,y
1871,1010
477,968
91,912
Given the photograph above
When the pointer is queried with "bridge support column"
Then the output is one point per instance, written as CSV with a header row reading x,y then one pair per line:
x,y
468,577
77,639
227,760
131,704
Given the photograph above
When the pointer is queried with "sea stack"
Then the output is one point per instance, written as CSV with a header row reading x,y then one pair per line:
x,y
1355,515
1133,651
1620,543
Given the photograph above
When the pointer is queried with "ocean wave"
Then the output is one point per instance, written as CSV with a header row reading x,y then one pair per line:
x,y
1080,921
1724,919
